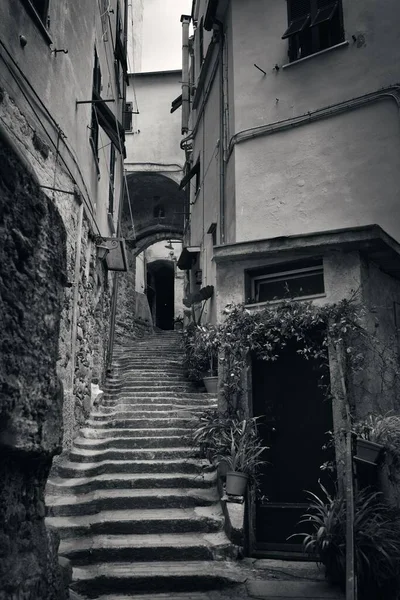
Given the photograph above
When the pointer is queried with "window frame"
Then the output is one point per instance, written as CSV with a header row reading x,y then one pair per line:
x,y
41,21
111,193
310,36
283,272
127,121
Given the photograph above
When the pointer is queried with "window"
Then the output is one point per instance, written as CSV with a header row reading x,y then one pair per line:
x,y
41,7
112,180
159,211
314,25
38,10
194,172
299,279
120,62
96,89
127,116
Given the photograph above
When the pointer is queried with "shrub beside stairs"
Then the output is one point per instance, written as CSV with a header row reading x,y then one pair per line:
x,y
137,513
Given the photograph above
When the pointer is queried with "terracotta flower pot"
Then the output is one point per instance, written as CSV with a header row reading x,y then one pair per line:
x,y
211,384
368,451
236,483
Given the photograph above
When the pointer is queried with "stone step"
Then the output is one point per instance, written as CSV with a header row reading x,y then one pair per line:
x,y
90,454
118,419
146,411
131,443
167,546
167,465
109,481
158,388
207,519
136,578
149,433
165,409
94,502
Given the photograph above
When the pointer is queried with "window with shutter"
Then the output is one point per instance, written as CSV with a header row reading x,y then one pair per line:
x,y
127,116
313,25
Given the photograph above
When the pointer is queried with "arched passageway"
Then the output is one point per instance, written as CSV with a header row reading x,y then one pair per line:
x,y
161,292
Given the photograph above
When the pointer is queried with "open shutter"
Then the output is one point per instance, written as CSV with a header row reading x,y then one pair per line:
x,y
325,12
299,15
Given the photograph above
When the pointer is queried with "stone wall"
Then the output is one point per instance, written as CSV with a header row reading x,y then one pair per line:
x,y
32,276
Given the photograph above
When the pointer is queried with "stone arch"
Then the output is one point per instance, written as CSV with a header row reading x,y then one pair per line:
x,y
147,192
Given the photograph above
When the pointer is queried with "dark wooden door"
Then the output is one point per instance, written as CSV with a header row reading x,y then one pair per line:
x,y
295,416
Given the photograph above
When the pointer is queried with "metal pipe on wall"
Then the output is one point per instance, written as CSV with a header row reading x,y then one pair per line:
x,y
185,20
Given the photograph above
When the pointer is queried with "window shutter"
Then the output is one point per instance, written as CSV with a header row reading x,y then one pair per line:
x,y
298,9
127,116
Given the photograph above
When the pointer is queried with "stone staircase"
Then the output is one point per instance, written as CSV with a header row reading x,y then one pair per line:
x,y
137,513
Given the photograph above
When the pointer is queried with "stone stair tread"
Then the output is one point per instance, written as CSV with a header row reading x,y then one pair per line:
x,y
65,500
79,466
154,569
148,431
138,541
76,482
98,452
100,441
143,514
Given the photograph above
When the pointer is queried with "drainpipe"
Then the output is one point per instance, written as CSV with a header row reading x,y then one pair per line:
x,y
221,135
185,20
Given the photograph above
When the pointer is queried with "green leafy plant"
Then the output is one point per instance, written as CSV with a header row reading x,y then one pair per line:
x,y
201,346
376,538
245,450
211,434
198,299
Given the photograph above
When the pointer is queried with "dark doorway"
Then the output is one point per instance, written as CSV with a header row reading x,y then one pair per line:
x,y
161,292
295,416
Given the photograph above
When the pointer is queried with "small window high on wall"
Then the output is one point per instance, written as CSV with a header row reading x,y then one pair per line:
x,y
298,279
313,25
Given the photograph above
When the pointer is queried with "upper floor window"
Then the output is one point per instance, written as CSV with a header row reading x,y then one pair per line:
x,y
39,12
298,279
314,25
127,116
96,90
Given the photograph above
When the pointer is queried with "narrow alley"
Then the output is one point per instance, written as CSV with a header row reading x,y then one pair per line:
x,y
199,300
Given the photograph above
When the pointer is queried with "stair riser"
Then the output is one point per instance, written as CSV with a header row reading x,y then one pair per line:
x,y
140,409
138,554
152,388
110,432
106,421
130,443
130,455
138,585
94,506
159,467
142,527
138,484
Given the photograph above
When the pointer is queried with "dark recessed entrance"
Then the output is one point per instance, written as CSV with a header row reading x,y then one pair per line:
x,y
161,292
295,418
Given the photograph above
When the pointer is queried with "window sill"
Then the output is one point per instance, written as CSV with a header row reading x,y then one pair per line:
x,y
260,305
301,60
37,20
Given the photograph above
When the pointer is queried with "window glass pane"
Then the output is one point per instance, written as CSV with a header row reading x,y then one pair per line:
x,y
291,286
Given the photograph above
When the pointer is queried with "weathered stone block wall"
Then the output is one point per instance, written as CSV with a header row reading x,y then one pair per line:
x,y
32,276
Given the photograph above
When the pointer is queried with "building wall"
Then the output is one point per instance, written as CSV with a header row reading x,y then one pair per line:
x,y
329,173
153,143
38,93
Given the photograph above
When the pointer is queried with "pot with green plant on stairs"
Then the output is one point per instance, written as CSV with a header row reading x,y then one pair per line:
x,y
244,456
374,434
207,342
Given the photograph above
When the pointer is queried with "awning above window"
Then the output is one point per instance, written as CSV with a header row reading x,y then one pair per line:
x,y
296,26
324,14
188,257
175,104
193,171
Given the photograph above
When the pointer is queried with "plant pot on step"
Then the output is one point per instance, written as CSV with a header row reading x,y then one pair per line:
x,y
367,451
211,384
236,483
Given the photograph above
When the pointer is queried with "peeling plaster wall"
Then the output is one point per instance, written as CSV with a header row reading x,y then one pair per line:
x,y
32,277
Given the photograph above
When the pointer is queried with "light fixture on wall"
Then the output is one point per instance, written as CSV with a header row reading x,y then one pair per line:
x,y
169,246
101,248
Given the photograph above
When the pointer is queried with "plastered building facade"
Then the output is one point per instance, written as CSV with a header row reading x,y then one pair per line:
x,y
291,138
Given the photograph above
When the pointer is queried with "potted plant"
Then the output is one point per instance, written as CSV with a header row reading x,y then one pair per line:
x,y
370,434
376,539
178,323
211,434
243,457
201,354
